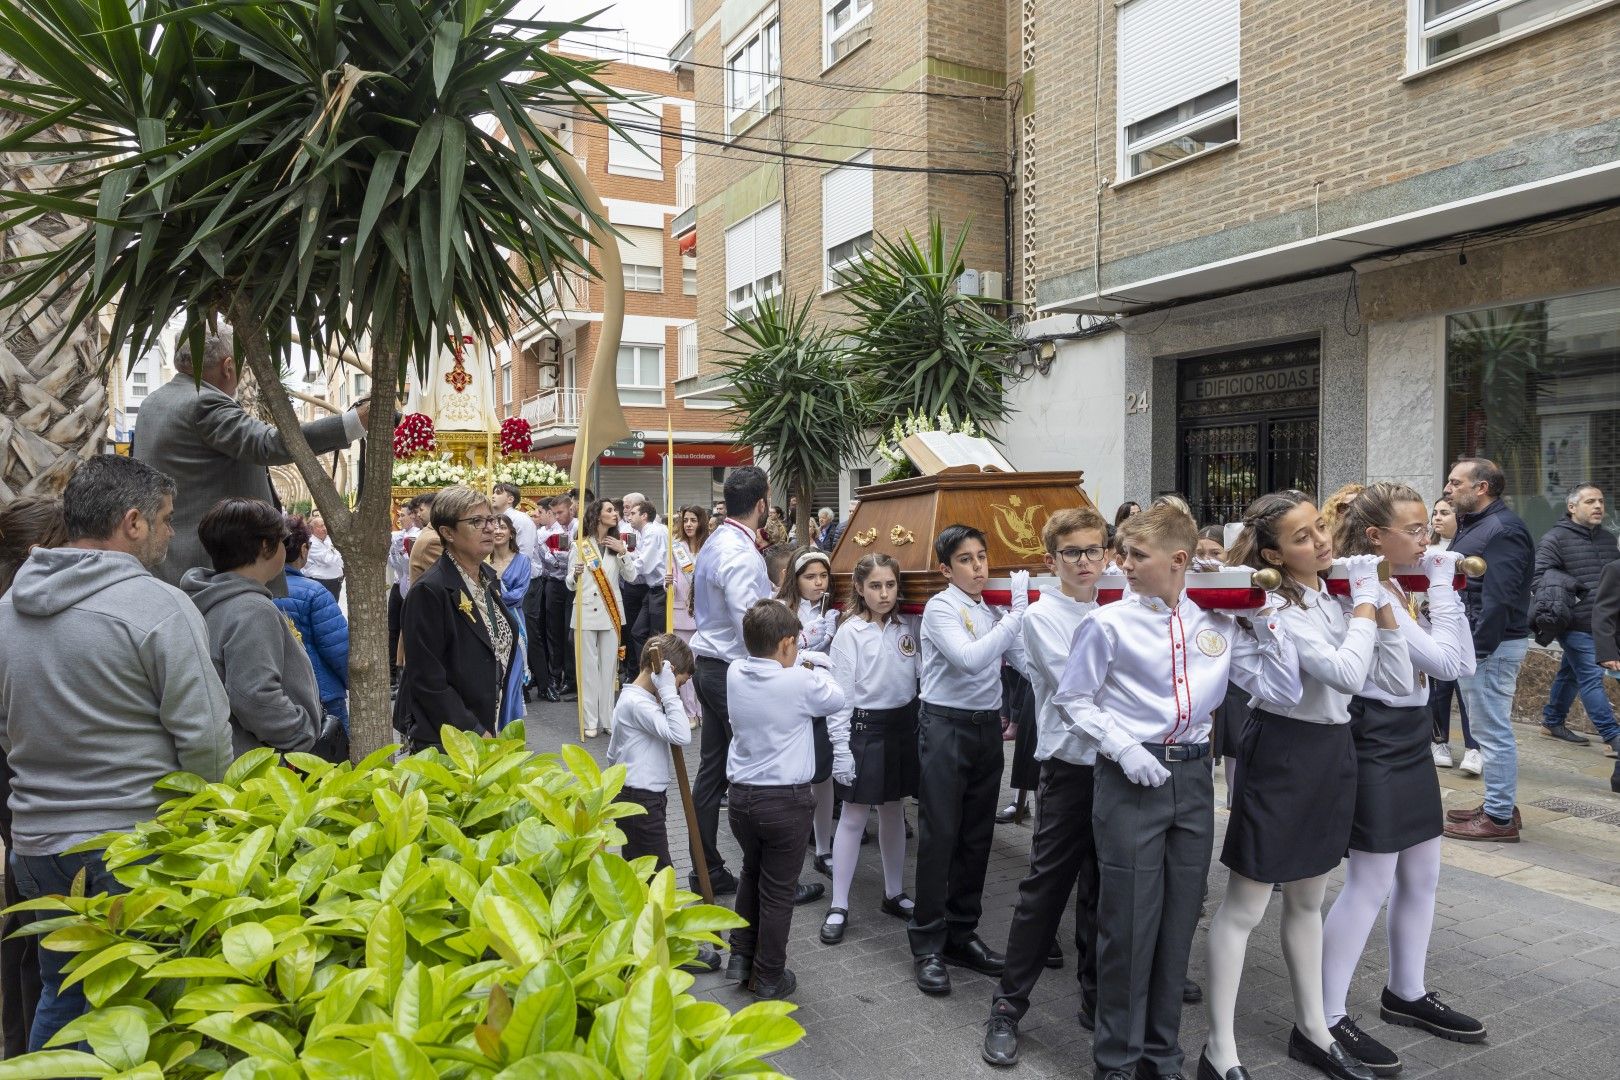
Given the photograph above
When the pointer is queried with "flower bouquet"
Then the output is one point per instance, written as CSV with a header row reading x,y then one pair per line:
x,y
515,435
414,436
888,447
428,472
526,472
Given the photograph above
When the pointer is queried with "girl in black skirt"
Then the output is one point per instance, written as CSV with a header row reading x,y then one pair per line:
x,y
876,660
805,590
1395,841
1295,783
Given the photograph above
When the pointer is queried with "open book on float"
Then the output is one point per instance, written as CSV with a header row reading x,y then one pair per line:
x,y
935,452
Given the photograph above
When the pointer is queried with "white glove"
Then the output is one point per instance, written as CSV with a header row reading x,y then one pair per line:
x,y
812,658
1362,571
843,769
1441,566
829,623
663,680
1020,590
1141,767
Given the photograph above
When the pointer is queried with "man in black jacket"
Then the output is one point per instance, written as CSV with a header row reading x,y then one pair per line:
x,y
1606,635
1498,607
1581,547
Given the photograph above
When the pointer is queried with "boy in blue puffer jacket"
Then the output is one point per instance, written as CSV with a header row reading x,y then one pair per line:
x,y
315,615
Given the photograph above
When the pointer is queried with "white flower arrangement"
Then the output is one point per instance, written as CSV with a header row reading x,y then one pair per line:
x,y
428,472
889,446
526,472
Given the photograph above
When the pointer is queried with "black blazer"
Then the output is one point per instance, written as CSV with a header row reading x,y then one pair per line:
x,y
1606,615
450,674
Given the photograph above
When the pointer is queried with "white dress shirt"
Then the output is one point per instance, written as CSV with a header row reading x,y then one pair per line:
x,y
730,578
652,554
1049,628
645,726
875,666
1143,672
1440,645
771,707
551,564
963,643
399,559
324,563
1338,655
523,528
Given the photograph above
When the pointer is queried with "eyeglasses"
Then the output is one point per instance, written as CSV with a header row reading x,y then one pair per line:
x,y
1414,531
480,521
1072,555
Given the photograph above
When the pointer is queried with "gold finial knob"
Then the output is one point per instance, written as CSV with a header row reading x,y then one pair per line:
x,y
1267,579
1472,566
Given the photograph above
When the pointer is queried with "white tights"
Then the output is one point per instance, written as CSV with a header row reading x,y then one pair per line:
x,y
821,820
1240,912
1408,879
891,845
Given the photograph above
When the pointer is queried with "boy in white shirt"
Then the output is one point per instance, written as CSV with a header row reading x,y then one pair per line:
x,y
772,700
1143,678
1062,857
959,751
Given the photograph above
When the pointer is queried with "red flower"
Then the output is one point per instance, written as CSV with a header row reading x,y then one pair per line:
x,y
515,435
414,436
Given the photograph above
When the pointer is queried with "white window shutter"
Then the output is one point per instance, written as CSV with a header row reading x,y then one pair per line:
x,y
767,242
846,202
638,148
740,254
641,246
1171,51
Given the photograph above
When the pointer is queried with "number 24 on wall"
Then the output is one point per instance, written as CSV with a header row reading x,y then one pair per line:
x,y
1136,403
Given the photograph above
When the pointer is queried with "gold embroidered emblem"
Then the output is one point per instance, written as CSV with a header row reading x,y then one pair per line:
x,y
908,645
466,607
1016,526
1211,642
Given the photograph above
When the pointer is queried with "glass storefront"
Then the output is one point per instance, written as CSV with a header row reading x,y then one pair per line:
x,y
1535,387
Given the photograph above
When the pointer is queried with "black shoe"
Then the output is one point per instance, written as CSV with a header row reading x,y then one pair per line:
x,y
569,693
809,894
551,694
724,801
891,906
1192,993
1563,734
1614,779
707,960
822,864
1379,1059
833,932
1429,1013
933,977
1144,1071
721,882
1054,958
1334,1061
1087,1014
739,969
1000,1040
1206,1071
777,988
974,953
1010,814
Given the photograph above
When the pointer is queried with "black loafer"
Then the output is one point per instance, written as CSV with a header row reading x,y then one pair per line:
x,y
1206,1071
707,960
809,893
1000,1040
933,977
1335,1061
739,969
822,864
552,695
776,988
1191,993
722,882
1379,1059
1054,958
975,954
1429,1013
1087,1014
833,932
892,906
1144,1071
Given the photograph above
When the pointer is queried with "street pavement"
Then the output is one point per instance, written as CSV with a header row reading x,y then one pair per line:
x,y
1527,937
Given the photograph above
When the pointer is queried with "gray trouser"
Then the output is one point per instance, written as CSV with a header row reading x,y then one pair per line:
x,y
1153,851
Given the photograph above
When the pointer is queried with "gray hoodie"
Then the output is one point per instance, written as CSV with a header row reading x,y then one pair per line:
x,y
105,688
275,701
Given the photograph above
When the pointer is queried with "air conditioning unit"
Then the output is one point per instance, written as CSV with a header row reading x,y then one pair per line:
x,y
985,283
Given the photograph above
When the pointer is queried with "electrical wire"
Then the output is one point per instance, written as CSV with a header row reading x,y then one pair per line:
x,y
853,88
796,114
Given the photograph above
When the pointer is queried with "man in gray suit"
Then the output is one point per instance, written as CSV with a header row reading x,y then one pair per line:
x,y
213,449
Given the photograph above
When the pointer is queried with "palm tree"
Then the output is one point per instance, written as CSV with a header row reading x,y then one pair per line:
x,y
325,174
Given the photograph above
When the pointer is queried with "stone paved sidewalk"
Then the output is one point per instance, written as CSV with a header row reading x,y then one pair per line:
x,y
1527,937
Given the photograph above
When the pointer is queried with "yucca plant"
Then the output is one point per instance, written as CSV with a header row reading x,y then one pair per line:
x,y
917,344
458,915
356,174
798,400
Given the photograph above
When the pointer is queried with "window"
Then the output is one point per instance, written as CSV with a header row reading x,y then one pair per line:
x,y
1536,388
846,214
138,386
689,275
635,151
641,375
1449,29
506,383
642,252
687,366
362,384
1178,81
753,70
846,25
754,258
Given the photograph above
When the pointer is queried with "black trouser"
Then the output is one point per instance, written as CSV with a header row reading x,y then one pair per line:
x,y
559,597
534,621
396,605
770,823
711,774
646,834
19,957
960,755
649,623
333,586
1062,858
635,598
1153,851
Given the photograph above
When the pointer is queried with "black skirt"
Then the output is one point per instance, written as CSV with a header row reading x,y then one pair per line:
x,y
883,743
822,744
1397,789
1231,719
1293,799
1019,697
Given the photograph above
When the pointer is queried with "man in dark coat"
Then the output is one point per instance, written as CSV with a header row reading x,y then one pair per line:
x,y
1580,547
199,435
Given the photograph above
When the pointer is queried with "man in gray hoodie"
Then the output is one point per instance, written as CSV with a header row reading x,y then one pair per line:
x,y
105,688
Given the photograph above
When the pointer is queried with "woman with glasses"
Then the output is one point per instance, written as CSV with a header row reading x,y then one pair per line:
x,y
596,565
513,569
459,638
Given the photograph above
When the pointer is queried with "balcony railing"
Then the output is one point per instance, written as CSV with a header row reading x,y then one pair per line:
x,y
688,354
556,408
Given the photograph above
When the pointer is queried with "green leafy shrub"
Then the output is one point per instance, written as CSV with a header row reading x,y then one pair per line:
x,y
454,915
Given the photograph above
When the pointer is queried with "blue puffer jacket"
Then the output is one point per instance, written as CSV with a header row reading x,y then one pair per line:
x,y
325,633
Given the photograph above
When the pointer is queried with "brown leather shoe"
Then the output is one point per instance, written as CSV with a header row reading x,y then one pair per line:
x,y
1460,816
1482,828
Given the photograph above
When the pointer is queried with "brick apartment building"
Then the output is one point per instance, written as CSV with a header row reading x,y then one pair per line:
x,y
1358,240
